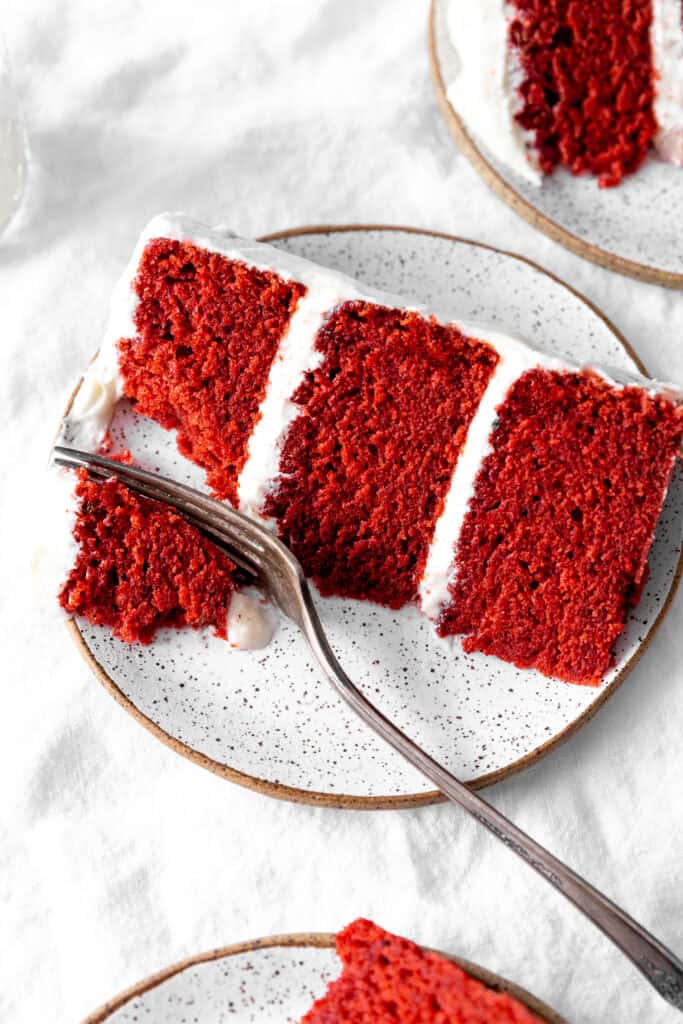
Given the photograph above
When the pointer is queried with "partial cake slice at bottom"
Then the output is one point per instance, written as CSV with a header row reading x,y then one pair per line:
x,y
553,550
140,566
389,980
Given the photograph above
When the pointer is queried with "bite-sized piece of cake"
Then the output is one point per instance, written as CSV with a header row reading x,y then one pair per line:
x,y
140,566
404,457
553,548
389,980
589,86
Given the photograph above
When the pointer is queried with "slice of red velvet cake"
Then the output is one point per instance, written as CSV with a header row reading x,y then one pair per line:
x,y
389,980
588,85
403,458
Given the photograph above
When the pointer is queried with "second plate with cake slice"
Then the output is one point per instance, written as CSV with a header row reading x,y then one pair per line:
x,y
376,439
524,90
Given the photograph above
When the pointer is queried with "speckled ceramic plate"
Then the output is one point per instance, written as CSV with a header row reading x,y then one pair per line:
x,y
265,718
275,979
635,228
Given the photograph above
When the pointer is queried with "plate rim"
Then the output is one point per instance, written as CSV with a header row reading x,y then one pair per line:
x,y
306,940
523,207
341,801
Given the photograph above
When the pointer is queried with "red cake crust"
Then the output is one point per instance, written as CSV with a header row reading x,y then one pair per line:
x,y
367,463
387,979
208,329
588,83
140,566
553,550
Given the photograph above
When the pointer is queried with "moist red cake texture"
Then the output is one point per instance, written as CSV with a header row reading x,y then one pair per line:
x,y
587,87
208,328
140,566
367,462
389,980
553,550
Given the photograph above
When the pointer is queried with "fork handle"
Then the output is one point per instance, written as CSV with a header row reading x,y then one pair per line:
x,y
662,969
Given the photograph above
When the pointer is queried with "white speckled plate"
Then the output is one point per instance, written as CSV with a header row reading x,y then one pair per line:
x,y
264,718
268,980
634,228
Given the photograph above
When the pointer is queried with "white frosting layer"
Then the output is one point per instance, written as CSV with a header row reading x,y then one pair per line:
x,y
484,90
326,289
667,55
515,358
295,358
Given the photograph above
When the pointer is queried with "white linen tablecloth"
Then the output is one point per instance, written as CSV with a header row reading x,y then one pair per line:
x,y
116,855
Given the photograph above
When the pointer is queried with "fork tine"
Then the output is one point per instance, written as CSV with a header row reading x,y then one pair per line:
x,y
246,540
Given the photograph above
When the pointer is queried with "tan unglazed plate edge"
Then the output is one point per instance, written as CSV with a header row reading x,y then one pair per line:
x,y
522,206
317,940
296,795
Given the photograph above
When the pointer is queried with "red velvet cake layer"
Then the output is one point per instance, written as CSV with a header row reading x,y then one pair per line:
x,y
367,463
386,979
207,330
553,549
140,566
588,80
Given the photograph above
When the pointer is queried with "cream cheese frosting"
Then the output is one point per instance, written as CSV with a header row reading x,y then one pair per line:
x,y
296,356
326,289
515,358
251,621
667,54
484,89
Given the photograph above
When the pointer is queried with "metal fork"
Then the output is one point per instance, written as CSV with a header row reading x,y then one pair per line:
x,y
277,573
